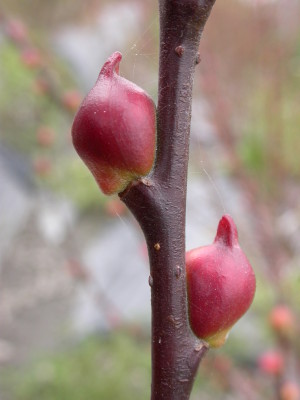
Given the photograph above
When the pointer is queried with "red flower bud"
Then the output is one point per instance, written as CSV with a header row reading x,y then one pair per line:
x,y
31,58
45,136
16,31
282,320
290,391
42,166
221,285
271,362
114,130
71,100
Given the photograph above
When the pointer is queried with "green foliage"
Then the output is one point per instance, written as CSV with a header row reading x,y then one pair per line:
x,y
72,179
116,366
16,91
269,143
112,367
252,152
22,110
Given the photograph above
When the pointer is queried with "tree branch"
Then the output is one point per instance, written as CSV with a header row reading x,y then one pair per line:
x,y
158,202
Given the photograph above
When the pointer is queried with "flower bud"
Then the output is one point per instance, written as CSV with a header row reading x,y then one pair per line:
x,y
71,100
114,129
271,362
282,321
221,285
16,31
289,391
45,136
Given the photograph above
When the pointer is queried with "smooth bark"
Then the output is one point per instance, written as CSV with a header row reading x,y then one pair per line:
x,y
158,202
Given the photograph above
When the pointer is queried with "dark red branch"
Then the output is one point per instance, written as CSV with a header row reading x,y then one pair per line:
x,y
159,202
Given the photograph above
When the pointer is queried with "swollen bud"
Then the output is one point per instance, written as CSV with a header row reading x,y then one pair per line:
x,y
221,285
114,129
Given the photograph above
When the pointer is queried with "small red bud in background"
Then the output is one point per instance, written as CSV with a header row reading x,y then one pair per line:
x,y
114,207
222,364
114,129
221,285
282,320
31,58
77,270
41,86
290,391
45,136
42,167
71,100
271,362
16,30
114,319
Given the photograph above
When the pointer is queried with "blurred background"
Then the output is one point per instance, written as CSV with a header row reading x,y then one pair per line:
x,y
74,294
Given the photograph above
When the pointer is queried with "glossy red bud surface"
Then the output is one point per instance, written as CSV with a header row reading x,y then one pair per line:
x,y
221,285
114,129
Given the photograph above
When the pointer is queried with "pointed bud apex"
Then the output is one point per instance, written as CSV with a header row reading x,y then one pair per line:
x,y
227,232
114,130
221,285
